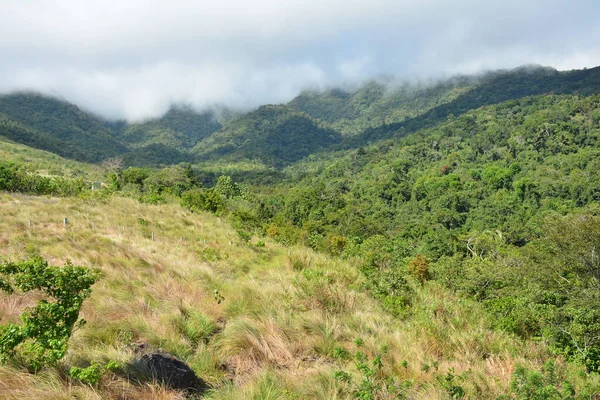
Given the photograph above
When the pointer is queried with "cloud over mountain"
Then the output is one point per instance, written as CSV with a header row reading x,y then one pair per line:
x,y
132,59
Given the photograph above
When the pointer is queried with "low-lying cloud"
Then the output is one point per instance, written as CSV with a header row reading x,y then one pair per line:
x,y
132,59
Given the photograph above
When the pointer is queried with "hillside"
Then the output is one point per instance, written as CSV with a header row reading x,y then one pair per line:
x,y
493,88
45,163
59,127
254,322
278,135
377,103
273,135
180,128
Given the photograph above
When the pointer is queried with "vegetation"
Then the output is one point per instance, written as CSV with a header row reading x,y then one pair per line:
x,y
56,126
180,128
275,135
274,329
313,252
42,338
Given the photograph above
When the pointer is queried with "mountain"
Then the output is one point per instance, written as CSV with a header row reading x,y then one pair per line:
x,y
493,88
57,126
180,128
275,135
378,102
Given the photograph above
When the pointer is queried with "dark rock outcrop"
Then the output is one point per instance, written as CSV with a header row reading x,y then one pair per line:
x,y
167,369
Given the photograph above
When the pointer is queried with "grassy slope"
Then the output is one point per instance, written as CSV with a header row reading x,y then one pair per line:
x,y
276,328
45,163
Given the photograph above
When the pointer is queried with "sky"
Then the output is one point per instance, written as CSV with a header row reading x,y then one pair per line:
x,y
132,59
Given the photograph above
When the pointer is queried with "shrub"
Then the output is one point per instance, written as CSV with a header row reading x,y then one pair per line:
x,y
42,338
418,267
337,244
93,374
202,200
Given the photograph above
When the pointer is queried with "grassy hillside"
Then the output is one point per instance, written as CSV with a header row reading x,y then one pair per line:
x,y
45,163
254,322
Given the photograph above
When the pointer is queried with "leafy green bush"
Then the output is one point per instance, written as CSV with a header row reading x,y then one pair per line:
x,y
202,200
543,385
93,374
372,384
42,338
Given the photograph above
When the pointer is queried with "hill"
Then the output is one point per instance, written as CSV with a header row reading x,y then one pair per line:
x,y
45,163
180,128
253,321
57,126
378,102
493,88
277,135
273,135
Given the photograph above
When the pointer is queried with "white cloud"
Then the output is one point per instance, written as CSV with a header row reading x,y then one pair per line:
x,y
133,58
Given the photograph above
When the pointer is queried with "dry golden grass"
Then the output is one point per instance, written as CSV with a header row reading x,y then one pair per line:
x,y
274,316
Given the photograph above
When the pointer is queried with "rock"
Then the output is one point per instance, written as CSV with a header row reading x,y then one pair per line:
x,y
167,369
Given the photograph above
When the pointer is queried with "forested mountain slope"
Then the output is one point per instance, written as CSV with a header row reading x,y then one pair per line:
x,y
279,135
378,102
493,88
274,135
57,126
180,128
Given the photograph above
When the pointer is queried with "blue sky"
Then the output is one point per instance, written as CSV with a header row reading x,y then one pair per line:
x,y
132,59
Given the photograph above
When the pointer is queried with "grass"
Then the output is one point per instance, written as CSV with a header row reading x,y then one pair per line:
x,y
45,163
254,322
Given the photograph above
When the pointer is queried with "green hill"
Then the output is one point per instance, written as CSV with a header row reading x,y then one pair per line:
x,y
377,103
45,163
180,128
274,135
50,124
278,135
493,88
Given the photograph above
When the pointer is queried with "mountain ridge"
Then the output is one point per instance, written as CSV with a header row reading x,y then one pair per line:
x,y
324,121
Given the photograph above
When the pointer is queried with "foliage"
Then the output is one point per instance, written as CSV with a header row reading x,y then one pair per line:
x,y
418,267
202,200
15,178
275,135
544,385
42,338
92,375
372,383
57,126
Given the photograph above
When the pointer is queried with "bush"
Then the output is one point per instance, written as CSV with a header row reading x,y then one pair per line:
x,y
93,374
418,267
202,200
42,338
